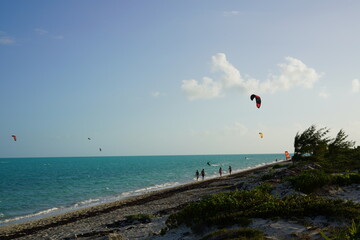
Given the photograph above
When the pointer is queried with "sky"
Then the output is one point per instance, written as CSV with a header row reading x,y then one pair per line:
x,y
175,77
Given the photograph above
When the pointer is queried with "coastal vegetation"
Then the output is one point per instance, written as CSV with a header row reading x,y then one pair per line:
x,y
318,161
333,154
139,218
311,180
239,234
237,207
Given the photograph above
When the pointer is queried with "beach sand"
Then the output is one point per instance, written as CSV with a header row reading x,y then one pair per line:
x,y
99,222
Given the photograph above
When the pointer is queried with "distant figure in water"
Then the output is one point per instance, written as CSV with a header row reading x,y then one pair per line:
x,y
230,170
203,174
208,163
197,175
220,171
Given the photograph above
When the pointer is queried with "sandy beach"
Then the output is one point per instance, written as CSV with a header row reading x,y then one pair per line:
x,y
108,221
99,221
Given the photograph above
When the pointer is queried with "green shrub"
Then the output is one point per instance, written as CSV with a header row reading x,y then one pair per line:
x,y
225,209
267,176
276,166
350,233
218,206
235,234
139,217
346,179
309,181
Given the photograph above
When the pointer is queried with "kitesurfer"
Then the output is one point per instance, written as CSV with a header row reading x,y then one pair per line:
x,y
208,163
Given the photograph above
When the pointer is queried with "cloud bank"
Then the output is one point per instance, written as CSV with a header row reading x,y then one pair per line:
x,y
292,73
43,32
230,13
355,86
6,39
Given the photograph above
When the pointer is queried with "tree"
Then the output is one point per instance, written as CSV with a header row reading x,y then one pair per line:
x,y
311,143
336,154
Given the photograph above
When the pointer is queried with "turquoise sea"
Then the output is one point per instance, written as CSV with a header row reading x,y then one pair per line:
x,y
32,188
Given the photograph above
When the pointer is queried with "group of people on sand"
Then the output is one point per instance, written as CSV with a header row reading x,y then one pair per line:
x,y
197,174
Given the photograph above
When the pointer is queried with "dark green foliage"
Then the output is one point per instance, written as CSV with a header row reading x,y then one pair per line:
x,y
139,217
218,206
235,234
350,233
339,145
311,142
229,208
346,179
267,176
310,180
276,166
337,154
264,187
354,231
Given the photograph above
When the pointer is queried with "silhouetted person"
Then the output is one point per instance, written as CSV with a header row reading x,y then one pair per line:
x,y
203,174
197,175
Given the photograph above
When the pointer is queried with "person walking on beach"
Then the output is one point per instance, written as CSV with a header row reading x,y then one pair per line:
x,y
203,174
197,175
230,170
220,171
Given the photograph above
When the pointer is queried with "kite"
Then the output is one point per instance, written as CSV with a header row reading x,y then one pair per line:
x,y
14,137
258,100
261,134
287,155
100,149
89,138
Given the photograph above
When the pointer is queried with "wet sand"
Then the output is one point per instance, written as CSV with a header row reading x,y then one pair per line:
x,y
108,220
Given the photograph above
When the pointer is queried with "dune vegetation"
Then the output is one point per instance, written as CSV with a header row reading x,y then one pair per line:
x,y
318,161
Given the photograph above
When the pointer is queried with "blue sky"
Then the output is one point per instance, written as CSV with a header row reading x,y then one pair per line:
x,y
174,77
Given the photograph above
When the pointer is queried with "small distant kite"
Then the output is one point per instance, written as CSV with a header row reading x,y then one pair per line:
x,y
100,149
89,138
261,134
258,100
14,137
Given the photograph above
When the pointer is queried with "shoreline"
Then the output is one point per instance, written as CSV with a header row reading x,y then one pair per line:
x,y
87,203
18,230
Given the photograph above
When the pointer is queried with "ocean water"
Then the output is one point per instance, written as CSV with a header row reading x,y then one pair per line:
x,y
31,188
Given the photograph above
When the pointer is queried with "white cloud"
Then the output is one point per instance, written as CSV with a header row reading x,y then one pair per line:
x,y
230,13
293,73
6,39
41,31
58,37
324,94
155,94
205,90
355,86
237,127
44,32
